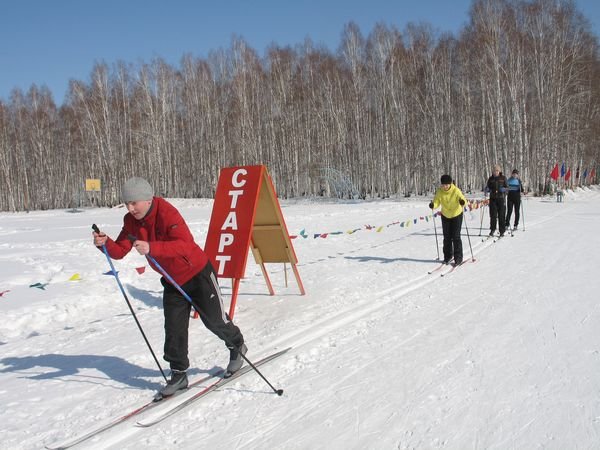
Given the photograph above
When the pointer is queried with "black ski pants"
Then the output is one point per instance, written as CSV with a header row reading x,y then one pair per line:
x,y
452,241
204,291
513,202
497,214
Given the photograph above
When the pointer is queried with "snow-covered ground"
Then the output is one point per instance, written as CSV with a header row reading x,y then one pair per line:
x,y
503,353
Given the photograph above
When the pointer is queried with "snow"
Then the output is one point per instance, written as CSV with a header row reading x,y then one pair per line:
x,y
504,353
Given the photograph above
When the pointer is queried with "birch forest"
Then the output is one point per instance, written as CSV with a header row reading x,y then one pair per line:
x,y
519,85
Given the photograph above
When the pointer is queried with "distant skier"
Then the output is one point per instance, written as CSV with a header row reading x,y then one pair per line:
x,y
161,232
497,187
452,201
515,189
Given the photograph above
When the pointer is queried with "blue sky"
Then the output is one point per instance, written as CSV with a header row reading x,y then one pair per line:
x,y
49,42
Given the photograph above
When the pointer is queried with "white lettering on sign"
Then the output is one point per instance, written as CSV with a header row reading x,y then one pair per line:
x,y
225,240
235,181
222,259
230,221
234,197
238,181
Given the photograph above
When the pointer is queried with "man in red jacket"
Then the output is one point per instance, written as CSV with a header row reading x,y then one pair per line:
x,y
160,231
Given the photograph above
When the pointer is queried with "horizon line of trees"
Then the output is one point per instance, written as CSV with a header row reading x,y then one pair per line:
x,y
519,86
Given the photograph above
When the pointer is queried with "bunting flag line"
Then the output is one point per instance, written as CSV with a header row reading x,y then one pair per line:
x,y
471,205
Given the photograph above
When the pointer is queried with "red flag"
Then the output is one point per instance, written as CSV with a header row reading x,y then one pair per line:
x,y
141,270
568,175
554,174
593,174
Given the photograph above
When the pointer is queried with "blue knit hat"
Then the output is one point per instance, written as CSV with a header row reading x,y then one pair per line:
x,y
136,189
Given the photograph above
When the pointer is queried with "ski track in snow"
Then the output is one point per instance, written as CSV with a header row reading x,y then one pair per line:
x,y
430,336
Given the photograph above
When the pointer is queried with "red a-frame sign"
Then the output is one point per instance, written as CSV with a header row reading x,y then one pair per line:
x,y
246,214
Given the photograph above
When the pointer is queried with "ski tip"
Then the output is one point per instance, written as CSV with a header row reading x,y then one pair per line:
x,y
279,392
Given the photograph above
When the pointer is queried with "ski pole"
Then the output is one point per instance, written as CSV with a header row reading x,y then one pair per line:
x,y
481,215
437,245
112,267
468,237
187,297
522,214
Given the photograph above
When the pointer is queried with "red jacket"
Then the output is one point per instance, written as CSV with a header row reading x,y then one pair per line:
x,y
171,242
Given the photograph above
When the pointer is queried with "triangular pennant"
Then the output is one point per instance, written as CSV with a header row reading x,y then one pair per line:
x,y
75,277
379,229
4,292
39,286
110,272
141,270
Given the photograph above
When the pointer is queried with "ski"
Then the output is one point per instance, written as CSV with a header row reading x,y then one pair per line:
x,y
151,404
454,267
210,388
439,267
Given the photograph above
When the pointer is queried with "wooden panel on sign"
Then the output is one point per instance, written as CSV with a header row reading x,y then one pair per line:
x,y
270,235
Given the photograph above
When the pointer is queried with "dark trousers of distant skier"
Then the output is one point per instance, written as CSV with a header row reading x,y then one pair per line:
x,y
204,291
513,201
452,241
497,214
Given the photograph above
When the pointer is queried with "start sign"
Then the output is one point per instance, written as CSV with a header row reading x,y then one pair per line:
x,y
246,215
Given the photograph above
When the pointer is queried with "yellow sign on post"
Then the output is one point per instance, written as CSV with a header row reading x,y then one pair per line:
x,y
92,185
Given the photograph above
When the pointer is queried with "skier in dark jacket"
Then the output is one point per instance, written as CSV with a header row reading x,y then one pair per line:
x,y
513,199
161,232
497,187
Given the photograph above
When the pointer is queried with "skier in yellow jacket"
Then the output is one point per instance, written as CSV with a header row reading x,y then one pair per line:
x,y
452,201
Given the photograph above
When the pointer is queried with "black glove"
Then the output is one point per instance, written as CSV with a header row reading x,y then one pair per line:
x,y
461,202
430,205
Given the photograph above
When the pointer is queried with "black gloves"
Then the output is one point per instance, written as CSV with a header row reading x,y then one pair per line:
x,y
461,202
430,205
